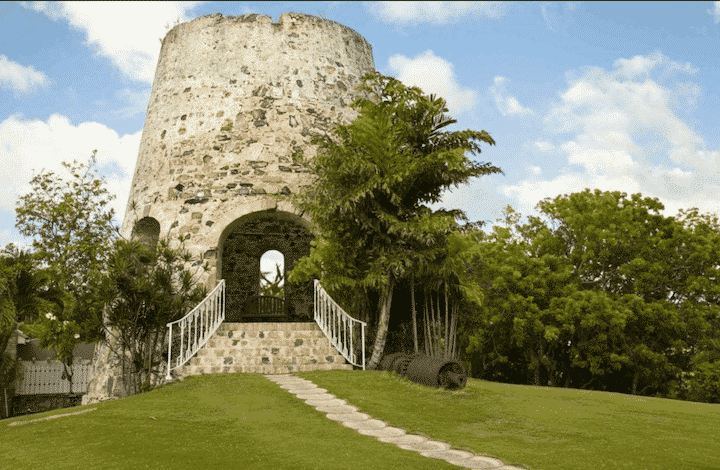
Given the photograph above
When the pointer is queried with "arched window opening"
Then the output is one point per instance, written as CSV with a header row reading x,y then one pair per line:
x,y
272,274
147,232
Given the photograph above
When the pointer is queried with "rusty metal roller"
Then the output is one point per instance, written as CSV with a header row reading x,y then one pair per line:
x,y
400,364
436,372
388,360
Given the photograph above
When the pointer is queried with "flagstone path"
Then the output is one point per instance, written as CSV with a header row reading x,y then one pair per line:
x,y
348,415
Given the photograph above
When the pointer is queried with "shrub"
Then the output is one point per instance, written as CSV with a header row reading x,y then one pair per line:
x,y
704,386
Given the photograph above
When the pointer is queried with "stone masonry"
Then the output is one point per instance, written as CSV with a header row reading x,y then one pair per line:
x,y
234,105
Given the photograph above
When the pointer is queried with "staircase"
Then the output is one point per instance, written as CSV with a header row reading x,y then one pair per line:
x,y
266,348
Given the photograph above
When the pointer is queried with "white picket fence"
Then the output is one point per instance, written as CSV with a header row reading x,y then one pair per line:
x,y
45,377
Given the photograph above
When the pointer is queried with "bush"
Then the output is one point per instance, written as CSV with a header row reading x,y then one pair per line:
x,y
704,386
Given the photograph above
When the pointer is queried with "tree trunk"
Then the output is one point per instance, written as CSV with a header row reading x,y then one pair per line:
x,y
434,329
453,333
426,324
447,325
414,313
68,371
383,324
635,382
152,346
164,349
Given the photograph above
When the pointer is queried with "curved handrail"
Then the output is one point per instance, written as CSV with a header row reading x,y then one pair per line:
x,y
330,317
209,313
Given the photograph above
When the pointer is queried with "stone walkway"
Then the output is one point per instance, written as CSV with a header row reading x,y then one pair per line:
x,y
348,415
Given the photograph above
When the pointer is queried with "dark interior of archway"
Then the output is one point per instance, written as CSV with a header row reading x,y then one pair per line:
x,y
147,231
242,250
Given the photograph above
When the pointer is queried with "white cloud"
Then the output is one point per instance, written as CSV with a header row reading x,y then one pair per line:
x,y
507,105
19,78
137,102
642,65
433,75
535,170
126,32
626,136
550,20
544,146
551,12
435,12
28,147
715,12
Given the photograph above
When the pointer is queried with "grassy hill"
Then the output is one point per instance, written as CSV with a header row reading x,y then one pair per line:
x,y
246,421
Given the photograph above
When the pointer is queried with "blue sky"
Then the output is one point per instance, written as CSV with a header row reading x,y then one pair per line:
x,y
616,96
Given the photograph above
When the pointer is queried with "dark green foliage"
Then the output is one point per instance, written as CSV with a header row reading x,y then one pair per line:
x,y
272,288
374,179
29,296
72,233
607,294
146,288
705,383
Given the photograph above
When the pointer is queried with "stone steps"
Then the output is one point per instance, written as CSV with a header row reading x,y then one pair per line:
x,y
266,348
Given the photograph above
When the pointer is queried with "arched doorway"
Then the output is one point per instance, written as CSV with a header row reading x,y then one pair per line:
x,y
242,247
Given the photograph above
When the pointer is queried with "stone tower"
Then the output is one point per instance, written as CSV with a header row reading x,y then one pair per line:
x,y
234,104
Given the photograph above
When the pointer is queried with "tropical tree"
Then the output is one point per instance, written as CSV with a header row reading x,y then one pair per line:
x,y
72,233
569,301
272,287
10,370
28,294
374,179
447,287
147,287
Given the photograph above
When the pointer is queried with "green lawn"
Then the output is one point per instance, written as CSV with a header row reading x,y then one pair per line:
x,y
246,421
541,427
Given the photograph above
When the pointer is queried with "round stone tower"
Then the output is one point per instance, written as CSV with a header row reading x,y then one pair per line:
x,y
234,104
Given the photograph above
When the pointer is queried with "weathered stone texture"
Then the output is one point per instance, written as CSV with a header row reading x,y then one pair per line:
x,y
234,105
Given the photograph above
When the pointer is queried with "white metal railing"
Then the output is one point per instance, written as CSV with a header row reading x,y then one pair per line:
x,y
334,322
198,325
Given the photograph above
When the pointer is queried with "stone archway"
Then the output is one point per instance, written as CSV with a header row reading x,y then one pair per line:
x,y
244,242
147,231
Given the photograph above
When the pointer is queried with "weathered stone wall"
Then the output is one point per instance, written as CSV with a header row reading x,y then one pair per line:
x,y
106,378
234,105
249,238
232,110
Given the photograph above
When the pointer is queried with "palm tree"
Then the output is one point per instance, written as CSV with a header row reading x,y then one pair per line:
x,y
26,292
272,288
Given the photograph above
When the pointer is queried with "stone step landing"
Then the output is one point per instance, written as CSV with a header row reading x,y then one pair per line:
x,y
266,348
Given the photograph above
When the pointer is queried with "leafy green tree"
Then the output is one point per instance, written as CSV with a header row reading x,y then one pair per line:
x,y
10,370
610,294
72,234
516,330
447,289
699,353
374,177
27,293
624,246
150,287
617,245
